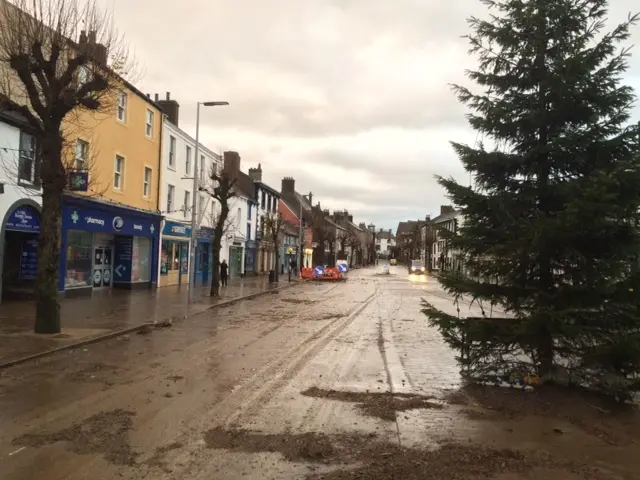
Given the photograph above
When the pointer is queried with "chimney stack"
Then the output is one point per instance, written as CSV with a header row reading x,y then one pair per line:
x,y
256,173
446,209
310,198
91,39
83,37
232,163
288,186
170,108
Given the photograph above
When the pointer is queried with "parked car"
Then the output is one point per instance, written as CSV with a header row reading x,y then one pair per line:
x,y
417,266
393,261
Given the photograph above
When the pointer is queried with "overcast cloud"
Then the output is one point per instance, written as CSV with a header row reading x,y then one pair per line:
x,y
349,97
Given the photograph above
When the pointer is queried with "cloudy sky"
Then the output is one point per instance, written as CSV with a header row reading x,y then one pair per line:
x,y
349,97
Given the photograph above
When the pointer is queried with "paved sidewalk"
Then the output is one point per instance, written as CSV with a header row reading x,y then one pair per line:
x,y
102,313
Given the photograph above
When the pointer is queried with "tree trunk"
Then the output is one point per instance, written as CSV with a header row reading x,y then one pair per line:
x,y
217,242
277,269
53,184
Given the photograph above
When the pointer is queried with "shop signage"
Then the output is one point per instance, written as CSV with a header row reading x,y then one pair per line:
x,y
205,233
78,181
24,219
29,259
105,221
123,247
175,229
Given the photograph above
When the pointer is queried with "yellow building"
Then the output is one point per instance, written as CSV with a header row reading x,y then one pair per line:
x,y
111,231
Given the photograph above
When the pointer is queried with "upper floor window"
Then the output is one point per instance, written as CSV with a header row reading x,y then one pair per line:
x,y
201,205
239,216
82,151
146,189
249,211
118,173
149,126
203,171
268,208
122,107
187,162
264,199
27,160
172,152
187,202
171,193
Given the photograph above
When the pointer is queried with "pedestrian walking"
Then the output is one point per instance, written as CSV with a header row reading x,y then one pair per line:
x,y
224,273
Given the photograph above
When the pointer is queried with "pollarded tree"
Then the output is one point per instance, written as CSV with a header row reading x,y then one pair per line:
x,y
221,190
553,217
273,223
47,74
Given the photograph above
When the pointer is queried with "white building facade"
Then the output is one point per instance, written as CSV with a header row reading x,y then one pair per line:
x,y
20,205
268,200
385,241
179,165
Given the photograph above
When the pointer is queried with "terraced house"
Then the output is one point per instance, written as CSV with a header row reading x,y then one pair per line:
x,y
110,214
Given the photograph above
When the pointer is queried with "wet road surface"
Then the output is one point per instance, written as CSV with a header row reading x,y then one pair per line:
x,y
317,381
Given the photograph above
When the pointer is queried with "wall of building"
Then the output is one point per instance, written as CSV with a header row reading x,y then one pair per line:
x,y
107,136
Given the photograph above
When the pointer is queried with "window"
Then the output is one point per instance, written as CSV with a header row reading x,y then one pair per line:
x,y
249,211
79,258
239,215
118,173
172,152
268,203
201,205
264,199
83,75
187,165
82,149
141,260
187,202
122,107
27,161
171,193
146,189
174,257
202,168
149,130
249,231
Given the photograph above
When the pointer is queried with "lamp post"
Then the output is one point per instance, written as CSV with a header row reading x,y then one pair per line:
x,y
194,204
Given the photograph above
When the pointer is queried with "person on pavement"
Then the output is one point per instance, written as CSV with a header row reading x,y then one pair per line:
x,y
224,273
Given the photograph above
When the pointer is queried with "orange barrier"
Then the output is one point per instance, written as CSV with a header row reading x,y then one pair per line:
x,y
330,274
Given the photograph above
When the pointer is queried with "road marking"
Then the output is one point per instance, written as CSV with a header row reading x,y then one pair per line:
x,y
17,451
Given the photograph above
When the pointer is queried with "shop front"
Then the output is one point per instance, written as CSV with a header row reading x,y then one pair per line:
x,y
174,254
204,255
236,258
104,246
20,251
250,257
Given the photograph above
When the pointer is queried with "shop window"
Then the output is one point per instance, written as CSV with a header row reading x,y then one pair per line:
x,y
79,257
175,256
141,260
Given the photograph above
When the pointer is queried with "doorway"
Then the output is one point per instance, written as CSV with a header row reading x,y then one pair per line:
x,y
102,266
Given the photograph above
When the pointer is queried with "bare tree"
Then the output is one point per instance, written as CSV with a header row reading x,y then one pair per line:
x,y
45,78
273,223
222,190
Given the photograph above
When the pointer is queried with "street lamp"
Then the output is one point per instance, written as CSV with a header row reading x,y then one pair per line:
x,y
194,204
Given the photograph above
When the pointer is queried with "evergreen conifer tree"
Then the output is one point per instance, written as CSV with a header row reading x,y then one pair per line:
x,y
550,229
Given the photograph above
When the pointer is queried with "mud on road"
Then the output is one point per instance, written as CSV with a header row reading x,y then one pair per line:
x,y
318,381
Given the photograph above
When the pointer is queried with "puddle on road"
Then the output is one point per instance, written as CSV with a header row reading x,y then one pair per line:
x,y
363,456
383,405
106,433
299,301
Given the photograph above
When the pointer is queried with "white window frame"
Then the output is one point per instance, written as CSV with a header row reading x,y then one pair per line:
x,y
172,152
122,107
146,182
118,173
81,161
171,196
187,202
187,162
149,123
27,155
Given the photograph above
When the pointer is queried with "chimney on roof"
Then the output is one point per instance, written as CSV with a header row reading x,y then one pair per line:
x,y
232,163
288,185
427,218
446,209
351,218
256,173
311,198
88,45
170,108
327,212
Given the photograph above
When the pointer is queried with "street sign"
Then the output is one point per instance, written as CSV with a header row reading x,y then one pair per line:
x,y
78,181
318,271
343,268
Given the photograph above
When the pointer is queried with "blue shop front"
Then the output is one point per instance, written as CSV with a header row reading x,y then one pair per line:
x,y
204,255
107,246
250,257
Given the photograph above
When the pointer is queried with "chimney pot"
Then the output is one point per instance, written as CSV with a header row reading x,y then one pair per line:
x,y
168,95
156,97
